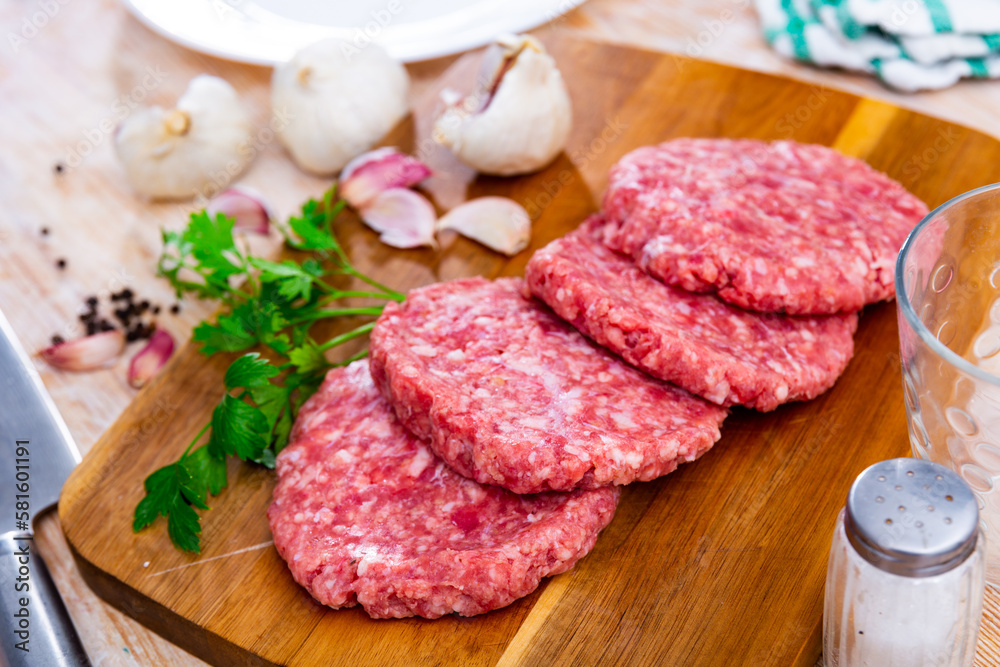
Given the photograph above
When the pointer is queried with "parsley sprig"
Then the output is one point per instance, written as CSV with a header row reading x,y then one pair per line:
x,y
265,304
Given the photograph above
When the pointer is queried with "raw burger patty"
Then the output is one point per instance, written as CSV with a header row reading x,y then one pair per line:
x,y
363,512
720,352
509,394
783,227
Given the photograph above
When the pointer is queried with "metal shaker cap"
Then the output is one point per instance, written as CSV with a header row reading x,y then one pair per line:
x,y
912,517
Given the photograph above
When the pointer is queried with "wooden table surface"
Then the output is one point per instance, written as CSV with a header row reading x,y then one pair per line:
x,y
61,82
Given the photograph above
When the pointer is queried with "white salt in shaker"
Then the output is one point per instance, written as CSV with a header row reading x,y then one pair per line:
x,y
905,582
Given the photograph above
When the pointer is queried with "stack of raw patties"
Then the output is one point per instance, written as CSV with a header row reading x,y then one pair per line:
x,y
720,273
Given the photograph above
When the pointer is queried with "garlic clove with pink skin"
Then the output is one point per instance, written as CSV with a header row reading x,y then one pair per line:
x,y
367,175
245,206
498,223
150,359
86,354
403,218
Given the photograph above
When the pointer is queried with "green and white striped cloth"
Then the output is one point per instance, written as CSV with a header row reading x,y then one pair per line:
x,y
910,44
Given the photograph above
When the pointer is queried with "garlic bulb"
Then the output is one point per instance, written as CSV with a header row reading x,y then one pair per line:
x,y
519,117
339,100
194,149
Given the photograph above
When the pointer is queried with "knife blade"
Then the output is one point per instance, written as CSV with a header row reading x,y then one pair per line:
x,y
38,455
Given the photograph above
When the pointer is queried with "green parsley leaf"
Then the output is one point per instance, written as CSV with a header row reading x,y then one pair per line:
x,y
203,258
250,371
281,431
270,398
227,335
184,526
293,280
274,401
305,386
208,472
161,487
308,359
313,229
212,245
247,325
238,429
267,459
265,321
190,488
170,493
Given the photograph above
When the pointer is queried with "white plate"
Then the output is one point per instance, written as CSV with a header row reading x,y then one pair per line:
x,y
266,32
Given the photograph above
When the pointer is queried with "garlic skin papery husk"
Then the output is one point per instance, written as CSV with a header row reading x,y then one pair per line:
x,y
194,149
498,223
518,118
339,100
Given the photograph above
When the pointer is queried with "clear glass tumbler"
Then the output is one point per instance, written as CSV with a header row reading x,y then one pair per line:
x,y
948,302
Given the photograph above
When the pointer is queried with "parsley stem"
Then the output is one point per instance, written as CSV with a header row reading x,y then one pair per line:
x,y
338,312
225,290
196,439
330,211
354,357
335,295
344,337
245,263
388,292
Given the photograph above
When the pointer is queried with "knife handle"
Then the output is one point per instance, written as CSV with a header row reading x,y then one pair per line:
x,y
32,613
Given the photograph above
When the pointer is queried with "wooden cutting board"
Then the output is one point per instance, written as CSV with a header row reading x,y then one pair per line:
x,y
722,562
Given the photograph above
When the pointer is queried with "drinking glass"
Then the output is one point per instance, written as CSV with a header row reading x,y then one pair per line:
x,y
948,304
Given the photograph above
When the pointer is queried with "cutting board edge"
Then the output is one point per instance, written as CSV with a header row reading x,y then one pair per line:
x,y
193,638
784,77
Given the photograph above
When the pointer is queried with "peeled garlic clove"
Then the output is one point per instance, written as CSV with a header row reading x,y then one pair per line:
x,y
381,169
519,117
498,223
245,206
195,149
85,354
403,218
150,359
339,100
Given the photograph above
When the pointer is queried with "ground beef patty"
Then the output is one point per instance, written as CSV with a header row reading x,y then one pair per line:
x,y
363,512
720,352
774,227
509,394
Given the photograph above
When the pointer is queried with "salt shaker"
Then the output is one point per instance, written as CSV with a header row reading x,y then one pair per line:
x,y
905,581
